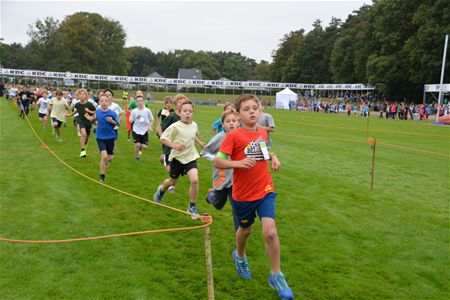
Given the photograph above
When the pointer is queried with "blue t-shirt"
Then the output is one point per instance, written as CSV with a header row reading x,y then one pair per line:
x,y
105,130
217,125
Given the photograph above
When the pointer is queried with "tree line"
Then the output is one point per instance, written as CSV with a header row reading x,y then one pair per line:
x,y
396,45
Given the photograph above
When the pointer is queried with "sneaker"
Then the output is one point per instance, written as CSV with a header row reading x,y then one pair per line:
x,y
78,133
138,160
157,197
279,283
59,140
171,189
140,152
101,179
194,211
83,153
242,268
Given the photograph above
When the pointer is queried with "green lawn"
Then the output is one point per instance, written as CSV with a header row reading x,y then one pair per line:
x,y
339,239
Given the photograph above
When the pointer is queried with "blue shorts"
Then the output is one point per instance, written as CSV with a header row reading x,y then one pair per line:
x,y
106,145
246,211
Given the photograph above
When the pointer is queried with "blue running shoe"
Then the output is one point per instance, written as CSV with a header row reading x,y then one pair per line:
x,y
279,283
194,211
158,195
242,268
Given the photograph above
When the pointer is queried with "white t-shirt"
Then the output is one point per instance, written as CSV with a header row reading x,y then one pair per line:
x,y
182,133
141,119
43,104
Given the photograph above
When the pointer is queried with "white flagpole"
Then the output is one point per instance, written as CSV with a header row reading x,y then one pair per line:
x,y
442,78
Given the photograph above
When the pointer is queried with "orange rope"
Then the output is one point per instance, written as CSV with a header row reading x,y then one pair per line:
x,y
205,219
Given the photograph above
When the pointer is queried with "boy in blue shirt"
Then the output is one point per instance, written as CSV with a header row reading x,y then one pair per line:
x,y
105,133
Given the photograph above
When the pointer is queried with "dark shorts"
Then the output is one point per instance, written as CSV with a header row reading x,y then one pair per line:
x,y
218,198
246,211
87,127
57,122
141,139
106,145
41,115
177,168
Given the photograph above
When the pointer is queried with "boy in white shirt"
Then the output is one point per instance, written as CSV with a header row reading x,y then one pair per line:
x,y
43,104
141,119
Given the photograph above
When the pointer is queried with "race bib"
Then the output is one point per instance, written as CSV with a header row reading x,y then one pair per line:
x,y
165,112
141,119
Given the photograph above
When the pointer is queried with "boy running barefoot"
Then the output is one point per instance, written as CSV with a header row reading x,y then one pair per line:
x,y
253,190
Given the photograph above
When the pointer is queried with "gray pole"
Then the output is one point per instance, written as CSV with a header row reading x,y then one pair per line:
x,y
442,78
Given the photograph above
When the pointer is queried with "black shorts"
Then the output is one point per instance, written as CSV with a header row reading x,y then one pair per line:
x,y
177,168
85,126
57,122
41,115
218,198
106,145
139,138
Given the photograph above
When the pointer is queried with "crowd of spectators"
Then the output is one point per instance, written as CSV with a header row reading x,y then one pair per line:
x,y
364,105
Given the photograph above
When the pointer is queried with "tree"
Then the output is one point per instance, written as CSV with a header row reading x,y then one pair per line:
x,y
203,61
262,71
142,61
43,46
169,63
288,44
92,44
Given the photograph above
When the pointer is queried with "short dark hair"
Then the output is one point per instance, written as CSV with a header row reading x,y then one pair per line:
x,y
108,90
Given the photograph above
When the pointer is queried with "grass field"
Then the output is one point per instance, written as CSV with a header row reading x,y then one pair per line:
x,y
339,239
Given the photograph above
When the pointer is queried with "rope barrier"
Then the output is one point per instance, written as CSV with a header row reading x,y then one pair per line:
x,y
203,218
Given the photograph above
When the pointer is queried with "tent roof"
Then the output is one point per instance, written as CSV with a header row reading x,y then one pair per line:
x,y
286,91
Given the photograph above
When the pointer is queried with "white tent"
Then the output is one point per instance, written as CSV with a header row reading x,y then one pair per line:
x,y
283,98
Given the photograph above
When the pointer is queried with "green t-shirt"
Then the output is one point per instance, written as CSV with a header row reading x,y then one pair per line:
x,y
169,120
133,104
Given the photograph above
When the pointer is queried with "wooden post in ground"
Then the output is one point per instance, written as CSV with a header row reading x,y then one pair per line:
x,y
208,260
372,171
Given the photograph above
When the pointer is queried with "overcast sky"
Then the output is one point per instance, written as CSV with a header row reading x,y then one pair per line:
x,y
253,28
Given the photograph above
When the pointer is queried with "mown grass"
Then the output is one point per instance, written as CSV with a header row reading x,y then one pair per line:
x,y
339,239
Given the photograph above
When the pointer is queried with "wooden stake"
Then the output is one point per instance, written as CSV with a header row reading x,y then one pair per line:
x,y
208,259
372,171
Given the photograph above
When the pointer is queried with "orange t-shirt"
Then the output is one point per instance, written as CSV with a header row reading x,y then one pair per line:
x,y
254,183
127,117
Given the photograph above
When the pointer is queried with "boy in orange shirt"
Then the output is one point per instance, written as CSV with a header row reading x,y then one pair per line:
x,y
253,190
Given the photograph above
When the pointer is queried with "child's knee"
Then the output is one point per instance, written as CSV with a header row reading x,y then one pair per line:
x,y
270,234
194,180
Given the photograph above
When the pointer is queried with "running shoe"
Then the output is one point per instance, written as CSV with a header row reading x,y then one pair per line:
x,y
279,283
194,211
83,153
171,189
157,197
242,268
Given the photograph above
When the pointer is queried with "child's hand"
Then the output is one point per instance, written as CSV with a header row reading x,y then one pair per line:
x,y
275,165
247,163
178,147
109,119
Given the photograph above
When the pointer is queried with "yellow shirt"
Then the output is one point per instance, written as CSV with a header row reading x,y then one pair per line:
x,y
182,133
58,108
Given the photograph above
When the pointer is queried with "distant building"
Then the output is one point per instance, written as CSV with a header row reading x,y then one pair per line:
x,y
190,74
155,75
194,74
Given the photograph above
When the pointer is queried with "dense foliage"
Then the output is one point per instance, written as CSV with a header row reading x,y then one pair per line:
x,y
394,44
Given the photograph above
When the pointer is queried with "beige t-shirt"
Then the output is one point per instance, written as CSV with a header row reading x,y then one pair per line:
x,y
182,133
58,108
